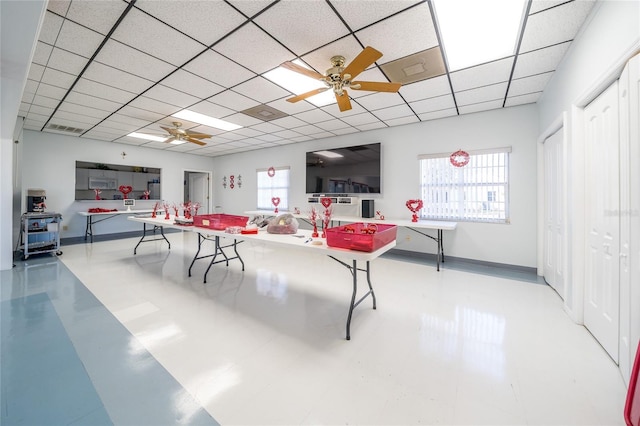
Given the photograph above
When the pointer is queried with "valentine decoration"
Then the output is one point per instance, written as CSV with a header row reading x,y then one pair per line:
x,y
145,194
175,207
155,208
101,210
283,224
98,192
313,217
296,210
379,215
414,206
166,210
326,218
239,181
275,201
224,182
271,172
231,184
459,158
196,205
125,189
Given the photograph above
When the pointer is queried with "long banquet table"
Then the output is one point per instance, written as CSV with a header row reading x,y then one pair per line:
x,y
347,258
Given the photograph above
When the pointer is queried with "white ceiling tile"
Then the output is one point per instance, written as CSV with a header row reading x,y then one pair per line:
x,y
482,75
332,125
121,117
215,67
113,77
372,126
50,28
380,100
33,124
27,97
127,59
482,94
401,35
320,59
98,90
45,101
251,47
51,91
434,115
250,7
322,135
535,83
314,116
90,101
308,130
287,134
289,107
360,119
192,84
424,89
302,25
58,6
151,36
288,122
152,105
36,109
358,16
99,135
83,110
402,121
538,5
140,114
529,98
262,90
58,78
242,120
555,25
35,72
433,104
205,21
345,131
247,132
100,16
483,106
165,94
79,40
66,62
397,111
267,127
233,100
31,86
540,61
42,53
334,110
81,121
268,138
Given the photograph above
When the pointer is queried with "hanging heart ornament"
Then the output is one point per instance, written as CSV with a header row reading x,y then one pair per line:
x,y
459,158
275,201
326,202
125,189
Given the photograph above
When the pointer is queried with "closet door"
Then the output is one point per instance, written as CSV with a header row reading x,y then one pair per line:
x,y
602,183
553,252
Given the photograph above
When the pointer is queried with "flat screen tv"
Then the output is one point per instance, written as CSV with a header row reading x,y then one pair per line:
x,y
348,170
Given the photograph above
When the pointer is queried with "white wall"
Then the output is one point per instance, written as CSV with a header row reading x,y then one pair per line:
x,y
517,127
49,162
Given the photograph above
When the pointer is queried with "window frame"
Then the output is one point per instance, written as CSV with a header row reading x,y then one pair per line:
x,y
272,190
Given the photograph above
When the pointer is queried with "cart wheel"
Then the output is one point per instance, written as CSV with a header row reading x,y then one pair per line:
x,y
58,253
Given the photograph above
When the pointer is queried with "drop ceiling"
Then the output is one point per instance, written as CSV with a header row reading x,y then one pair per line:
x,y
104,69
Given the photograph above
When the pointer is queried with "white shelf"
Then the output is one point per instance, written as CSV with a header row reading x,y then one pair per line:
x,y
345,201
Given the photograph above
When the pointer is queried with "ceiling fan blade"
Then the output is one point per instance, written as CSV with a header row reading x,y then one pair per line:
x,y
197,135
302,70
344,103
376,86
171,139
367,57
169,130
196,141
307,95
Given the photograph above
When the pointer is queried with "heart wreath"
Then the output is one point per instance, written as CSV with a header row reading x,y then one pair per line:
x,y
275,201
125,189
459,158
414,206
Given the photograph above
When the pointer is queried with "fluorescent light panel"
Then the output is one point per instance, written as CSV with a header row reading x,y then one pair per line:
x,y
147,137
196,117
298,84
474,32
328,154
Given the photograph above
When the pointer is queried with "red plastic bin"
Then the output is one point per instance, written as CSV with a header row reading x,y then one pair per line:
x,y
219,221
342,237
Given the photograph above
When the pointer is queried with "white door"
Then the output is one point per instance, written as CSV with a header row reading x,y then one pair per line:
x,y
602,183
199,190
553,212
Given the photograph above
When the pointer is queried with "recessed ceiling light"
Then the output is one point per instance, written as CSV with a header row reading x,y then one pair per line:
x,y
147,137
196,117
474,32
328,154
292,81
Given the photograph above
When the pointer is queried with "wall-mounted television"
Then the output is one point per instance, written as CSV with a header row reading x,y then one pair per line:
x,y
347,170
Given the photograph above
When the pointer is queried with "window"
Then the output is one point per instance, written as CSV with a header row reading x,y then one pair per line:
x,y
477,192
273,186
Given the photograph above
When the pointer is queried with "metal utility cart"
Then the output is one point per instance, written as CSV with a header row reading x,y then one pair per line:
x,y
40,233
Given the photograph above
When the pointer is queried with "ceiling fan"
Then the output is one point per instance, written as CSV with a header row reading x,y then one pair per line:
x,y
179,134
339,78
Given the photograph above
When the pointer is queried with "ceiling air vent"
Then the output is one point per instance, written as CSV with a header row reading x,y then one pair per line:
x,y
264,113
67,129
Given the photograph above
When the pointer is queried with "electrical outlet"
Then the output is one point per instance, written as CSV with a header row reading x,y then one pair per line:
x,y
65,228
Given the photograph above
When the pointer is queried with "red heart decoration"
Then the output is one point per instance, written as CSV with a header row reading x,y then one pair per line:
x,y
326,202
414,205
275,201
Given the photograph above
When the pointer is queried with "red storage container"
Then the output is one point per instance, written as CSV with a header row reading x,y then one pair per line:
x,y
219,221
352,237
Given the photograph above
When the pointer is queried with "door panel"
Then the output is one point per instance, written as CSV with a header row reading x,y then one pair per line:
x,y
602,286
